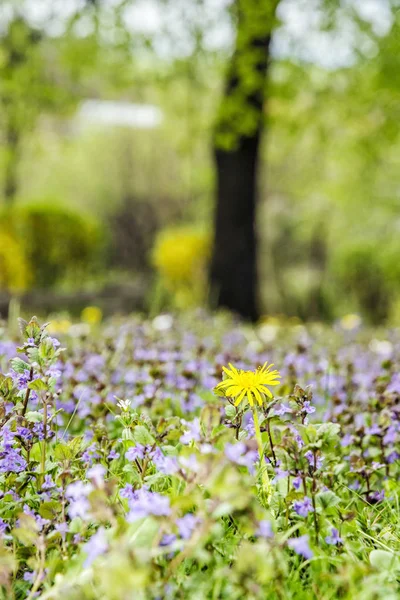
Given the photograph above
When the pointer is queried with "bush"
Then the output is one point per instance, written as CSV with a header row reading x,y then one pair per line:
x,y
180,256
361,270
57,242
14,271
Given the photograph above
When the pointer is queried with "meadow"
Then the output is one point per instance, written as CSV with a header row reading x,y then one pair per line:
x,y
126,473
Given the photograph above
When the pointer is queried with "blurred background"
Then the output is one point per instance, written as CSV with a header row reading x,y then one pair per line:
x,y
165,154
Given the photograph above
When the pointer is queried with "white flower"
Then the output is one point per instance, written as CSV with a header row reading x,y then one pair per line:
x,y
124,404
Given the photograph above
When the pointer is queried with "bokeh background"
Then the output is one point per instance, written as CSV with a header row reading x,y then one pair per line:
x,y
111,113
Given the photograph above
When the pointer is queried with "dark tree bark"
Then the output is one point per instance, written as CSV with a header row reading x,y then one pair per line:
x,y
12,160
237,136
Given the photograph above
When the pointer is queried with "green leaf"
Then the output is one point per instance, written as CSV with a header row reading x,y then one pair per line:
x,y
328,431
49,510
75,445
38,385
33,354
36,452
22,325
75,525
230,411
46,349
383,560
6,386
156,478
62,452
34,417
311,432
32,330
28,530
142,435
327,499
19,365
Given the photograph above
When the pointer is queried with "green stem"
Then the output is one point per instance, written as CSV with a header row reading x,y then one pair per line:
x,y
264,473
28,391
43,461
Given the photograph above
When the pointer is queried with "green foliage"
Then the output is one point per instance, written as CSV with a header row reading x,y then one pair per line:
x,y
58,242
360,269
329,170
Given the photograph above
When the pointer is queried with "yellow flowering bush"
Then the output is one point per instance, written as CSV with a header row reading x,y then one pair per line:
x,y
14,270
59,325
92,315
180,256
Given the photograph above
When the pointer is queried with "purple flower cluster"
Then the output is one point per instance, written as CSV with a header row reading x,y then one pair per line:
x,y
240,454
143,503
11,460
303,507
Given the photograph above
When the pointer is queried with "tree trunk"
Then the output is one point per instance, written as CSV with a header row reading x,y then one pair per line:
x,y
238,131
11,166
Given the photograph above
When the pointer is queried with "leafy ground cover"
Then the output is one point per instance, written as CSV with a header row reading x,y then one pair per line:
x,y
125,473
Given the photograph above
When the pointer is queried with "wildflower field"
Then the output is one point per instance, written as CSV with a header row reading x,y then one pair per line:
x,y
193,457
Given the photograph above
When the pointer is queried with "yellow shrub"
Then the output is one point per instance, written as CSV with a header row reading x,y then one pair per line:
x,y
14,270
59,325
180,256
92,315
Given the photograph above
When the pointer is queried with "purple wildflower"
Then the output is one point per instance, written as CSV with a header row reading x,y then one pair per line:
x,y
334,539
373,430
310,457
282,410
393,456
280,473
186,525
346,440
62,529
96,546
3,527
265,529
192,433
375,497
167,539
113,454
143,503
77,493
307,408
301,547
303,507
241,455
297,483
96,474
168,465
135,452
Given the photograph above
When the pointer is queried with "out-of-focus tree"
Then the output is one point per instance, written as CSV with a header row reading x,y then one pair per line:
x,y
22,93
239,128
333,172
42,73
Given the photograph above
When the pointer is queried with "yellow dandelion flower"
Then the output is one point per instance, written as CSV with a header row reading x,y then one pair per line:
x,y
252,385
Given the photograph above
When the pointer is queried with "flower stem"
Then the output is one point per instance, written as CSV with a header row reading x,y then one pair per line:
x,y
43,459
28,391
264,473
271,443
